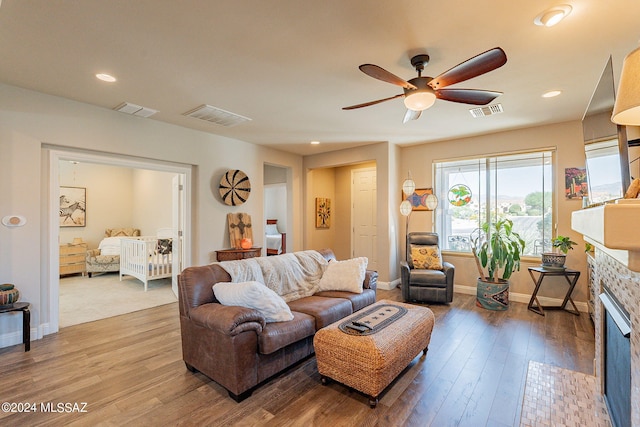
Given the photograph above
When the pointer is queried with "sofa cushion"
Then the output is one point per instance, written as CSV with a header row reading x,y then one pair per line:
x,y
324,310
346,275
253,295
426,256
358,301
432,278
278,335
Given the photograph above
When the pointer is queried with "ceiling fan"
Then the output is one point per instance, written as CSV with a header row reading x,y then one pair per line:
x,y
420,92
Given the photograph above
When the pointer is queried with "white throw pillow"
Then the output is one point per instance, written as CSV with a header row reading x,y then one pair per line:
x,y
346,275
271,230
110,246
254,295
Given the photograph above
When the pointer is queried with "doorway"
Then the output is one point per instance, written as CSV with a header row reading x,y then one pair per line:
x,y
177,182
277,203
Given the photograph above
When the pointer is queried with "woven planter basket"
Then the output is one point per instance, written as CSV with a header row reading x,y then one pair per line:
x,y
553,259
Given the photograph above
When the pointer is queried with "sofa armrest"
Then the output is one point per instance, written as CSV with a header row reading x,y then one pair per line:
x,y
404,272
448,270
370,280
229,320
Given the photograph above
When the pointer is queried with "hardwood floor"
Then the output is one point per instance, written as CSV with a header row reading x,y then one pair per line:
x,y
128,369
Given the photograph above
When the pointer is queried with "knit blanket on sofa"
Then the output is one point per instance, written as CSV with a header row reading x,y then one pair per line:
x,y
292,275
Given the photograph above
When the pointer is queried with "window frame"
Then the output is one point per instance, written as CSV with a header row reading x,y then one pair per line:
x,y
487,194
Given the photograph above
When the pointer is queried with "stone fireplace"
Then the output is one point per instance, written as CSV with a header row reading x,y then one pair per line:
x,y
616,352
616,272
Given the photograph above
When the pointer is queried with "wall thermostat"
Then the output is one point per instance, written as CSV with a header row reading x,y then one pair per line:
x,y
14,221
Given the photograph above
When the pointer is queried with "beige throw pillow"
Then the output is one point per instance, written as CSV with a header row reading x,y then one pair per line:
x,y
426,257
254,295
346,275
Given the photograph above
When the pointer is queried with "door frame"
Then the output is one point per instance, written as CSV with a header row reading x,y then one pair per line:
x,y
60,154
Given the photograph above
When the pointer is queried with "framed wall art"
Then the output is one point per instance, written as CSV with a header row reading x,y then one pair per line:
x,y
73,206
418,199
575,180
323,212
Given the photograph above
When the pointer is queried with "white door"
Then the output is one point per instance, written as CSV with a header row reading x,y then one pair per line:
x,y
177,217
363,216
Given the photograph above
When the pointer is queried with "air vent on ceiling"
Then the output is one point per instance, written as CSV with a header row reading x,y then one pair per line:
x,y
135,110
216,115
486,111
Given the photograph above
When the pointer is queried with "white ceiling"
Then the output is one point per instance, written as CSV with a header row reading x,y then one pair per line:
x,y
291,65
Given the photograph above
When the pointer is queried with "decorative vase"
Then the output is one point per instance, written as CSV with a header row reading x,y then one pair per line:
x,y
8,295
553,260
246,243
493,296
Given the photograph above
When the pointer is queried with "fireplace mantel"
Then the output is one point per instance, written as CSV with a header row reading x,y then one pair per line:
x,y
613,229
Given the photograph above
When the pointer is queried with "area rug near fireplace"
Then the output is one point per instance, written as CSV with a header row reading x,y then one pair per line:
x,y
556,396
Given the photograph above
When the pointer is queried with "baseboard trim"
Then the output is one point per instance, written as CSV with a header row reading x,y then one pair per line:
x,y
387,286
524,298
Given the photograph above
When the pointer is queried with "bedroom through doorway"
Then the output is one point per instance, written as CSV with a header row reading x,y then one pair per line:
x,y
118,194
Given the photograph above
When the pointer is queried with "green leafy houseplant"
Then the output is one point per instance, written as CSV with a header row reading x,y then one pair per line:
x,y
499,253
564,244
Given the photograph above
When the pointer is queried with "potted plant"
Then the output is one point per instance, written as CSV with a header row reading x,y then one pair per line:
x,y
555,260
500,254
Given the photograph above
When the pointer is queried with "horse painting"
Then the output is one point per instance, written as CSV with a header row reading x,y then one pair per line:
x,y
67,213
72,206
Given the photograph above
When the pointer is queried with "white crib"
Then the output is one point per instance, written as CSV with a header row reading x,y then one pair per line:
x,y
145,259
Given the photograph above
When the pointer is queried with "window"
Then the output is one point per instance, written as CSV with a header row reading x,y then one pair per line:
x,y
516,186
603,171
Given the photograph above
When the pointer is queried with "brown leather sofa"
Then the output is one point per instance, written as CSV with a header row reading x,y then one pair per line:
x,y
235,347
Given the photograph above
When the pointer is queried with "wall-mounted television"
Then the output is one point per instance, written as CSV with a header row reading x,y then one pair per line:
x,y
605,144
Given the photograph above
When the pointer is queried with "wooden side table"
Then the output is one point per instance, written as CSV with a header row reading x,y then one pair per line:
x,y
572,279
236,254
26,321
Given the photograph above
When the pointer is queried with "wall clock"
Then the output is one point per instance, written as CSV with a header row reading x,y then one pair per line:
x,y
234,187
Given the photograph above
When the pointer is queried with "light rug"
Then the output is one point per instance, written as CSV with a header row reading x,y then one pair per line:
x,y
555,396
84,299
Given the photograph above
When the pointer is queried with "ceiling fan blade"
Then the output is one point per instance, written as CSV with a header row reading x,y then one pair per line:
x,y
473,67
366,104
468,96
411,115
382,74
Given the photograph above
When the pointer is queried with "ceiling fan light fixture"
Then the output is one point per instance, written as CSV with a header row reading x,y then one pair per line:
x,y
419,100
551,17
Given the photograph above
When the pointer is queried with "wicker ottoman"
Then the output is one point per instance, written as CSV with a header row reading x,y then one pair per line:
x,y
369,361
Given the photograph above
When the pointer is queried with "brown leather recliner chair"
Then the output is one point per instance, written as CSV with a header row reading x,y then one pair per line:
x,y
423,285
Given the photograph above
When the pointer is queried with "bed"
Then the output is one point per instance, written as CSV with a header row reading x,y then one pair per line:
x,y
276,241
146,258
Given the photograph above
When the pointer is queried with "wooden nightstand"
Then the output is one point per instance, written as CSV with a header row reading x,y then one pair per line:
x,y
73,258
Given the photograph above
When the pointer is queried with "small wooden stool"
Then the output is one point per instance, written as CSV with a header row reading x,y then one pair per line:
x,y
26,321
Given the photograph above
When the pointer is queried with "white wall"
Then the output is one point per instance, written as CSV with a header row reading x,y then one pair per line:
x,y
152,203
108,203
117,197
30,121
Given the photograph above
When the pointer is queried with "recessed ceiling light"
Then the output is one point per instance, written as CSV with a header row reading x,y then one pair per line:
x,y
551,93
552,16
106,77
315,142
